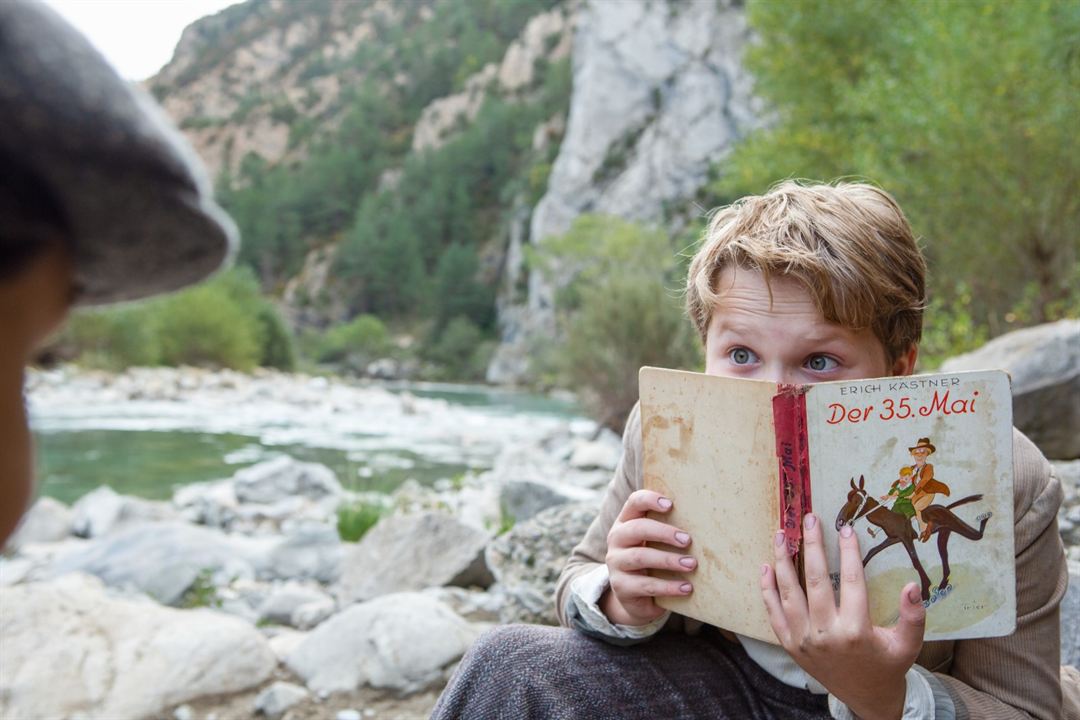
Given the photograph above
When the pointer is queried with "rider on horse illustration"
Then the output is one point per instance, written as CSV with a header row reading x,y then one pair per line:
x,y
926,487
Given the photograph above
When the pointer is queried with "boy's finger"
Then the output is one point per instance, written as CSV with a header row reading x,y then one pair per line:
x,y
792,598
643,530
911,626
773,607
853,600
637,586
819,592
641,502
632,559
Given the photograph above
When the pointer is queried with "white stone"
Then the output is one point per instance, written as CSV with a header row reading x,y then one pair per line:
x,y
48,520
284,477
310,614
184,712
349,714
1044,365
160,559
67,647
279,697
400,641
412,552
311,551
597,454
283,602
285,641
95,513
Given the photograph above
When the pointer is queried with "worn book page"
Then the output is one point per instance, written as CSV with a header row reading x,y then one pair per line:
x,y
710,446
921,467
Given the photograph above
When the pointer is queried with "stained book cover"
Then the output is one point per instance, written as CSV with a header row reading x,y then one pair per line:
x,y
919,466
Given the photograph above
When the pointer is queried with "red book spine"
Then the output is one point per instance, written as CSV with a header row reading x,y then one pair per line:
x,y
792,452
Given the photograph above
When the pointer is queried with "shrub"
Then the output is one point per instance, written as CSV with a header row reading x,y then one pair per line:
x,y
204,326
365,337
355,519
460,352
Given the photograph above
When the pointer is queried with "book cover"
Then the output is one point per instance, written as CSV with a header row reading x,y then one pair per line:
x,y
919,466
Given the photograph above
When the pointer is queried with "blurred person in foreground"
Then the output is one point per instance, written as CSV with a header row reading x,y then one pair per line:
x,y
101,201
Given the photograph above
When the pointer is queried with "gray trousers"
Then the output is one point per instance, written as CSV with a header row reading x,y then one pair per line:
x,y
531,671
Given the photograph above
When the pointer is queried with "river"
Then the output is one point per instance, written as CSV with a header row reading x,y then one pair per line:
x,y
145,432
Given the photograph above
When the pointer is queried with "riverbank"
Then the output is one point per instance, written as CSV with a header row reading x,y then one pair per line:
x,y
236,597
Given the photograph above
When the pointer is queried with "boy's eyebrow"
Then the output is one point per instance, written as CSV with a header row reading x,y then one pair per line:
x,y
827,334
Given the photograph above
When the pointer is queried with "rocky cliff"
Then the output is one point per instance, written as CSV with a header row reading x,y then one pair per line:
x,y
658,97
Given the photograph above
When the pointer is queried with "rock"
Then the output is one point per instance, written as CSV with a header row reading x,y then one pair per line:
x,y
97,512
349,714
284,477
286,600
311,614
1070,619
211,503
411,552
161,559
184,712
400,641
312,551
660,95
1044,363
48,520
522,499
279,697
527,561
284,641
68,648
603,454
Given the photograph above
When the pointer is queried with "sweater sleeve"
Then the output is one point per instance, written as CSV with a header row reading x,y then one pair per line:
x,y
1017,676
591,551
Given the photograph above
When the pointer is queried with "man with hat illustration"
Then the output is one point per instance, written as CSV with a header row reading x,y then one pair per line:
x,y
101,201
926,487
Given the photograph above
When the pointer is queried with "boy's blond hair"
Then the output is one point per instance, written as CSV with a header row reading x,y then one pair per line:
x,y
905,471
849,244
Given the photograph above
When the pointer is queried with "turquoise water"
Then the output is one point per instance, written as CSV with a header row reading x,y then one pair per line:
x,y
151,464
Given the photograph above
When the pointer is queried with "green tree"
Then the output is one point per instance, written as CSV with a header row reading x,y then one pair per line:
x,y
618,308
966,111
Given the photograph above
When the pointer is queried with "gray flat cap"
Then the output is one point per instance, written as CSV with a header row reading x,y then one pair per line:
x,y
133,195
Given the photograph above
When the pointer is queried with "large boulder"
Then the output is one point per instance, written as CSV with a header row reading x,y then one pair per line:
x,y
284,477
67,649
1044,363
160,559
412,552
527,561
400,641
47,521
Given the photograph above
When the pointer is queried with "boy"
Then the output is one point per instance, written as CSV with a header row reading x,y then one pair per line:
x,y
803,284
100,201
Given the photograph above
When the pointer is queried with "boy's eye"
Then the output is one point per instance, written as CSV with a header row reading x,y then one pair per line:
x,y
742,356
821,363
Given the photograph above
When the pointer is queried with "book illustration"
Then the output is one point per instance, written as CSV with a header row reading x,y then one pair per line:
x,y
939,519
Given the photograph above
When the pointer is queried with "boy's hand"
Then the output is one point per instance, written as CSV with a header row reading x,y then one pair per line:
x,y
629,600
861,664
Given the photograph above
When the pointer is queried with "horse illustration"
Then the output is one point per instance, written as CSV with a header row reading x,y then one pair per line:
x,y
898,529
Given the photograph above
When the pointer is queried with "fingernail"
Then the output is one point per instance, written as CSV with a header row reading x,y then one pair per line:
x,y
682,538
687,562
809,521
764,569
779,540
686,587
846,531
914,596
664,503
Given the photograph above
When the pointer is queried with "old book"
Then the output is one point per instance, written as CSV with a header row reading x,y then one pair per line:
x,y
920,466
